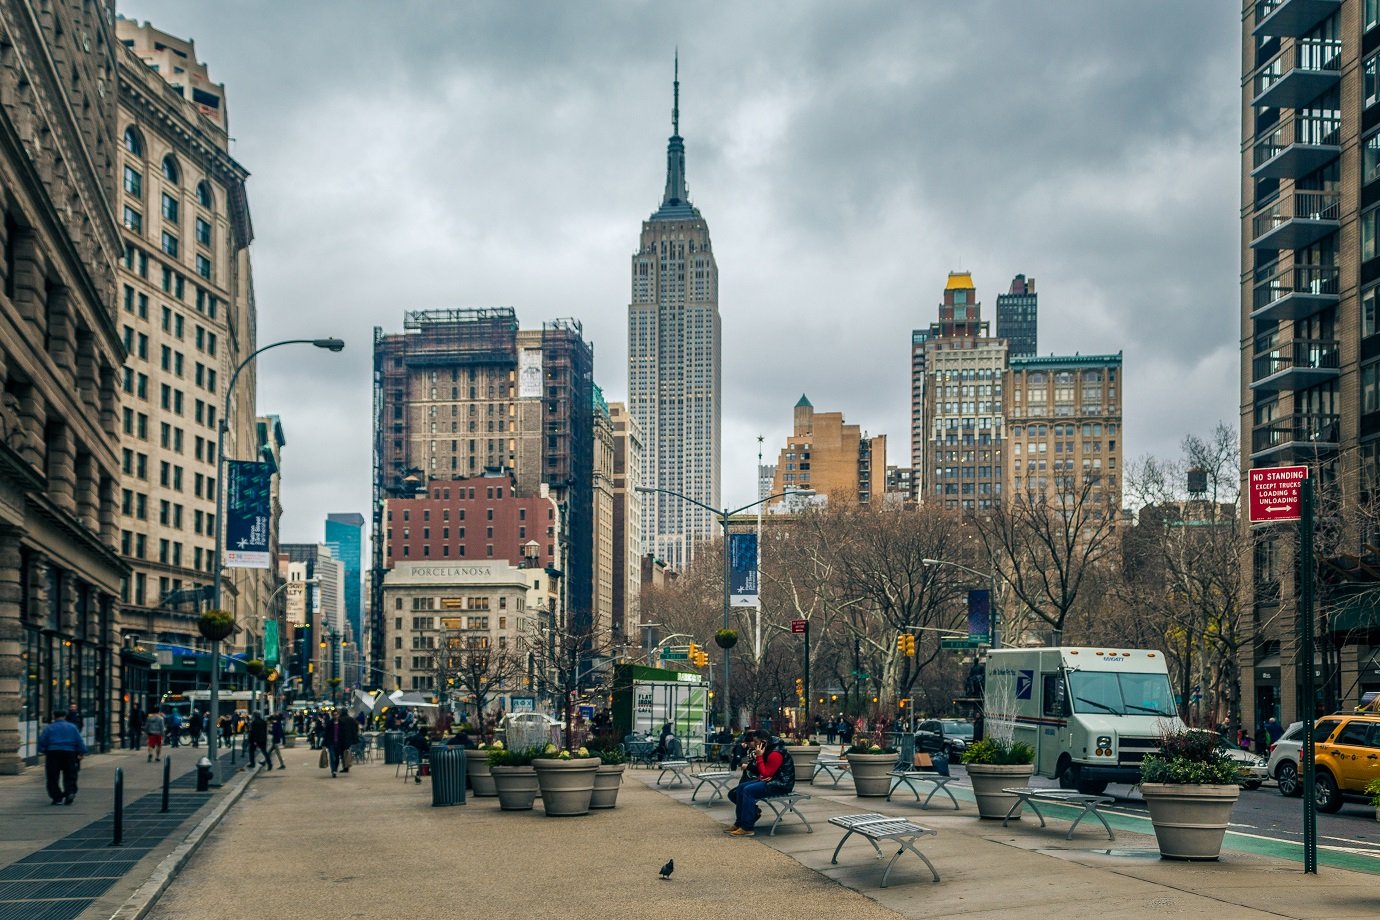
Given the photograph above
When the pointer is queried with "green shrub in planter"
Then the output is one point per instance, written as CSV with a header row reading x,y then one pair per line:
x,y
1190,757
995,752
500,756
726,638
215,625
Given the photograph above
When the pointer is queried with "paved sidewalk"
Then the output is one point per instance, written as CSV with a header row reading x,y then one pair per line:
x,y
58,861
370,845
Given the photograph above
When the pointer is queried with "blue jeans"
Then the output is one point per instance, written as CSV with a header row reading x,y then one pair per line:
x,y
748,794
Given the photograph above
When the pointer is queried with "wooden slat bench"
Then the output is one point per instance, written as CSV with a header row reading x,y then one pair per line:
x,y
717,780
874,827
908,778
1089,804
677,770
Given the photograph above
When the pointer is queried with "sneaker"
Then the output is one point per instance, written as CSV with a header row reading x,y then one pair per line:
x,y
68,800
742,832
730,829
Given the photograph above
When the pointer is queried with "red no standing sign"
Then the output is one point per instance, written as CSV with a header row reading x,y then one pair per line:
x,y
1274,493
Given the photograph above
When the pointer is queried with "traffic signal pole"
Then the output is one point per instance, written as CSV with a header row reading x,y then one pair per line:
x,y
807,676
1305,627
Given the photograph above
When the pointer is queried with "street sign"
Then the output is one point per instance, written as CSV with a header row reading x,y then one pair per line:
x,y
797,626
1274,493
961,643
667,655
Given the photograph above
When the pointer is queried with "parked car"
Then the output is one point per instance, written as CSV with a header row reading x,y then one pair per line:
x,y
947,736
1283,765
1252,766
1346,757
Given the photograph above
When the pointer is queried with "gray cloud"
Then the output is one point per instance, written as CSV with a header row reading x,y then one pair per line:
x,y
416,155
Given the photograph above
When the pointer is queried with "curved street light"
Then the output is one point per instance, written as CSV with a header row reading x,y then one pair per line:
x,y
724,517
992,602
332,345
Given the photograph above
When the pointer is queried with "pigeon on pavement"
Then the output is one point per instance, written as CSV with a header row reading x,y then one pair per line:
x,y
667,869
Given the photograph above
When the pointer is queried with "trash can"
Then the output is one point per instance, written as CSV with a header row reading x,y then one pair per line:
x,y
393,747
447,775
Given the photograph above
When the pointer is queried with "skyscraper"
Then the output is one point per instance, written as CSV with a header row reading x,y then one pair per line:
x,y
1018,317
345,537
674,373
827,456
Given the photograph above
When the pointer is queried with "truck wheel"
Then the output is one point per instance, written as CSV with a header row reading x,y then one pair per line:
x,y
1068,776
1287,773
1092,787
1326,794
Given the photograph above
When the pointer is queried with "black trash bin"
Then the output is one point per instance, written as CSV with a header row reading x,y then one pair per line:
x,y
447,775
393,747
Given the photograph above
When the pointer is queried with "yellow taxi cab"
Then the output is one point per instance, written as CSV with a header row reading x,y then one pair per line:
x,y
1346,757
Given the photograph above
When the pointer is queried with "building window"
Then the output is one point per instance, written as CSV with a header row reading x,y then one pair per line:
x,y
203,196
1371,15
203,232
1370,229
134,182
170,170
203,266
1368,298
1370,387
169,208
133,143
169,243
133,220
1370,156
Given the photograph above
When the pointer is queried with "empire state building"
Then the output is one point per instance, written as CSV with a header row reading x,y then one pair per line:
x,y
674,358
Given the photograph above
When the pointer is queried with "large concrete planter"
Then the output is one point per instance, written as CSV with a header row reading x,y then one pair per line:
x,y
516,787
481,780
1190,820
871,773
566,785
607,781
805,756
989,779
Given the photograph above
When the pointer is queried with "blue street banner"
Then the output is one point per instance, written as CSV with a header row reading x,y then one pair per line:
x,y
248,513
980,614
742,563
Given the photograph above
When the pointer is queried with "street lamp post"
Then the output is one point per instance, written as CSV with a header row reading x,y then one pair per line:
x,y
334,345
724,517
992,602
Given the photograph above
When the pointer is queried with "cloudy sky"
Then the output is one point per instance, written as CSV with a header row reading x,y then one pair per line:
x,y
411,155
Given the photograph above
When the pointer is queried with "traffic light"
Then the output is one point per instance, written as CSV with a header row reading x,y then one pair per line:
x,y
901,704
905,644
910,644
800,688
700,658
693,653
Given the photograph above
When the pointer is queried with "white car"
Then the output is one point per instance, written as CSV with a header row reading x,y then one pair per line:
x,y
1252,766
1284,760
531,718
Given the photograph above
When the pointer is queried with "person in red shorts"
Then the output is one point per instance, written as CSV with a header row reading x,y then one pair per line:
x,y
154,726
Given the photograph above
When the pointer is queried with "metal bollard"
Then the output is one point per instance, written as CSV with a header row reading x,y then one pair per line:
x,y
119,807
203,774
167,778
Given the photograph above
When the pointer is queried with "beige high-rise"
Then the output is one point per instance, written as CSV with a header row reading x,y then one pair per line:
x,y
186,315
831,458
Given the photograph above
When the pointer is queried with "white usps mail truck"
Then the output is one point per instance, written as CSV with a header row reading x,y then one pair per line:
x,y
1091,714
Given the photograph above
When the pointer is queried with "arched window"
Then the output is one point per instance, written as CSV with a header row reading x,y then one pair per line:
x,y
170,170
133,142
203,196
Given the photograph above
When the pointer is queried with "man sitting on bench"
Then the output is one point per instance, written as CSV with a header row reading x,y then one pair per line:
x,y
775,772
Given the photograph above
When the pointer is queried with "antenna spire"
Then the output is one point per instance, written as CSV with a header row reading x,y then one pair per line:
x,y
675,104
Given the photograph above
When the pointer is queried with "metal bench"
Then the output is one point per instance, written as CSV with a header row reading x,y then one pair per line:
x,y
639,752
874,827
908,778
1089,804
833,767
784,804
717,780
677,770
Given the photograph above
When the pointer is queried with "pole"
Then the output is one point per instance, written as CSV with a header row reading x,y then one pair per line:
x,y
995,625
728,722
167,779
807,676
1305,626
119,828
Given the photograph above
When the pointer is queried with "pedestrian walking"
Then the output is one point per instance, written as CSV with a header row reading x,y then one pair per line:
x,y
174,729
339,736
258,740
136,726
277,732
227,731
194,727
154,726
63,748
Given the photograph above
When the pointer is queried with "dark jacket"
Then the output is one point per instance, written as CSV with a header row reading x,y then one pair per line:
x,y
258,732
279,733
783,780
342,734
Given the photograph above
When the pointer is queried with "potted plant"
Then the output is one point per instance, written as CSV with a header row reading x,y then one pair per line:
x,y
805,753
871,762
994,764
477,769
566,780
254,667
215,625
726,638
1190,787
609,778
515,781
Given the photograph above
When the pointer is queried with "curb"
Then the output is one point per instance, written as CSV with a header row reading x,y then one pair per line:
x,y
143,899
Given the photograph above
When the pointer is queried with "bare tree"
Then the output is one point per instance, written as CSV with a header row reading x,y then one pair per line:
x,y
473,665
1047,544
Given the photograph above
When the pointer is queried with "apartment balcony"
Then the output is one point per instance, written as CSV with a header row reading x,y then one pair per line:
x,y
1291,18
1295,365
1296,148
1304,435
1295,293
1299,74
1296,221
